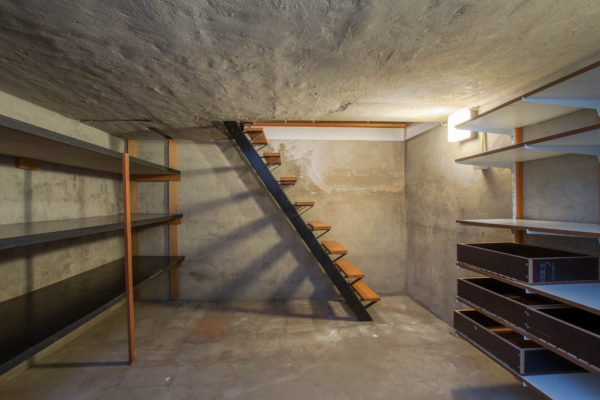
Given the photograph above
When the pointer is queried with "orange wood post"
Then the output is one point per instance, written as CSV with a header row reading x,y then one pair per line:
x,y
132,150
519,235
173,233
128,259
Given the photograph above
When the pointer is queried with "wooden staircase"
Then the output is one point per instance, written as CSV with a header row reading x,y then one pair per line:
x,y
346,276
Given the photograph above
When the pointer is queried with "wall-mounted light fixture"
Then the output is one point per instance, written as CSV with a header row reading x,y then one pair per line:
x,y
456,118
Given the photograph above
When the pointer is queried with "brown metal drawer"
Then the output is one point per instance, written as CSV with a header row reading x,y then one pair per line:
x,y
499,299
528,264
508,347
570,330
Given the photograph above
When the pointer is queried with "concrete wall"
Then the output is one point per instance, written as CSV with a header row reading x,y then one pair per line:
x,y
563,188
55,193
237,242
438,191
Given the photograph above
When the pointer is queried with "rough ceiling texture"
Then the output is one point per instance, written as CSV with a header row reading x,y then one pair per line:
x,y
173,66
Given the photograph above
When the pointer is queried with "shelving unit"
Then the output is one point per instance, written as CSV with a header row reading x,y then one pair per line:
x,y
541,311
37,319
563,96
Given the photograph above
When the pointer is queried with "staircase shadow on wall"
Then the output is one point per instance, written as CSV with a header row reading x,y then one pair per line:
x,y
289,241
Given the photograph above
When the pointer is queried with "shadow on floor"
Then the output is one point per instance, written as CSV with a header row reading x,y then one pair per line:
x,y
334,310
94,364
495,392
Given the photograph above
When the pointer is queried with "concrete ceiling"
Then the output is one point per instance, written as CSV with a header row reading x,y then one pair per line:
x,y
173,66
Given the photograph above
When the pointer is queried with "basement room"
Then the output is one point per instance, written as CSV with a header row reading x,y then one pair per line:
x,y
281,199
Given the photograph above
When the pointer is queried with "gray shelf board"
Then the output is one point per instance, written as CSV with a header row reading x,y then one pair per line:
x,y
580,386
557,227
29,233
579,141
19,139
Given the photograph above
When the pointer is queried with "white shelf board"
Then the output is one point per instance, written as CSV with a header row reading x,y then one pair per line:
x,y
506,158
581,91
517,113
566,95
579,141
580,386
567,228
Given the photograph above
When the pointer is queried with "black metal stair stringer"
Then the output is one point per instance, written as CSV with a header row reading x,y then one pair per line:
x,y
290,211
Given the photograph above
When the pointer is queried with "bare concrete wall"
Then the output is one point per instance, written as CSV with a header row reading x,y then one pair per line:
x,y
358,188
55,193
438,192
237,242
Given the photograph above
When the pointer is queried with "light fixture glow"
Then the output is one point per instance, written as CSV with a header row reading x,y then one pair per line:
x,y
458,117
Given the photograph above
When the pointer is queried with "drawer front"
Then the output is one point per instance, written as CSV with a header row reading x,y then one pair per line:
x,y
528,264
494,346
560,270
491,302
503,264
580,341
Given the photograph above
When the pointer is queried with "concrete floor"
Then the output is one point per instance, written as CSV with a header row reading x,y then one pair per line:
x,y
292,350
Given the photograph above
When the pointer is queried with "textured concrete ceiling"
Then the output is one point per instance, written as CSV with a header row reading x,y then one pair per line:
x,y
176,65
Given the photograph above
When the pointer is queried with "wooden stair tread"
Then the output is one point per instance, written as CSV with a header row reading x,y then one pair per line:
x,y
289,180
260,139
254,130
304,203
318,226
350,270
272,158
333,247
365,292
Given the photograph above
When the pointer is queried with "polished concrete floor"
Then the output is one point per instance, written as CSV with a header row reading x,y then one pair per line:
x,y
276,350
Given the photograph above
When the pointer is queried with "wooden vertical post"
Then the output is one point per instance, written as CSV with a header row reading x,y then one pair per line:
x,y
132,150
128,259
173,234
519,235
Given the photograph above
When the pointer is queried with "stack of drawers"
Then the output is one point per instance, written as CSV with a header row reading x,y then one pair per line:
x,y
525,332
